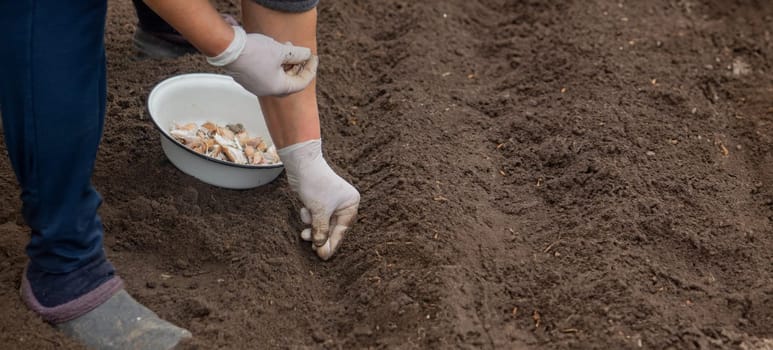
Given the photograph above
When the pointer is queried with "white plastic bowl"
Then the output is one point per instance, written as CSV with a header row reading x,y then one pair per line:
x,y
219,99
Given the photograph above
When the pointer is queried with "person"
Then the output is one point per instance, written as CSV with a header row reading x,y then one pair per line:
x,y
52,101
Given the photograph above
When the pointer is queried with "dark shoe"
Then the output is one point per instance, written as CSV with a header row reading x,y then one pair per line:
x,y
161,45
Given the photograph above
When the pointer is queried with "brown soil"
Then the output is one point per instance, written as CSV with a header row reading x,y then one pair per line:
x,y
534,174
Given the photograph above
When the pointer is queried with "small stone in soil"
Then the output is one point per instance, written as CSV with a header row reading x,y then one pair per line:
x,y
198,308
318,336
181,264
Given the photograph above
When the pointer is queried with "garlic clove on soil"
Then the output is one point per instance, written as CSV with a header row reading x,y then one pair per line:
x,y
306,234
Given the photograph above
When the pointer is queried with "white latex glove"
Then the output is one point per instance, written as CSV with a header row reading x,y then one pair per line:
x,y
258,63
330,202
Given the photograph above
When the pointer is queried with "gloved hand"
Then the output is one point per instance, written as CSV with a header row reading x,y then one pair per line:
x,y
330,202
258,63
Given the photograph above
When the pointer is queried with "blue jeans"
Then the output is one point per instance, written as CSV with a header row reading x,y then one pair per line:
x,y
52,99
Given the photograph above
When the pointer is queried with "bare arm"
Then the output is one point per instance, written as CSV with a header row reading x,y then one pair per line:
x,y
197,21
294,118
255,61
330,202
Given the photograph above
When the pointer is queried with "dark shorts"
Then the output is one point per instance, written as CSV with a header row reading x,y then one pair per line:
x,y
288,5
